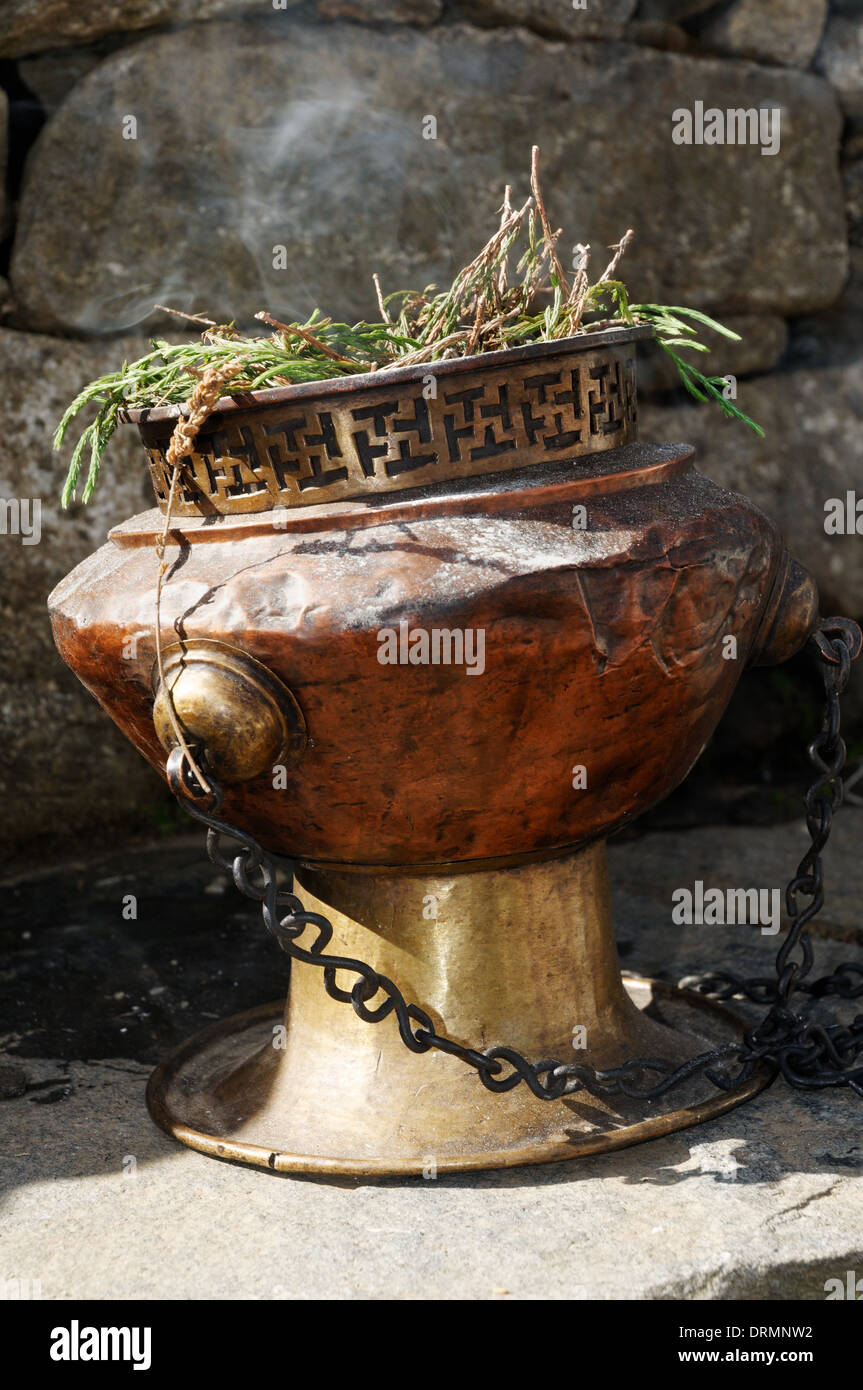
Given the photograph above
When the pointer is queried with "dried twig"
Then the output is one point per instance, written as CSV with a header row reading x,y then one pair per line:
x,y
550,237
610,272
431,349
505,215
477,327
580,287
451,304
381,304
293,330
192,318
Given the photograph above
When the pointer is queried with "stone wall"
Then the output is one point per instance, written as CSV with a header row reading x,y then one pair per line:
x,y
176,144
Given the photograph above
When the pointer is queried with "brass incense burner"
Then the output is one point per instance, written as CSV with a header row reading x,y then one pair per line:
x,y
441,629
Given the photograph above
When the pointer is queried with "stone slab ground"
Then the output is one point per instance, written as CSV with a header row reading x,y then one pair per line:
x,y
766,1202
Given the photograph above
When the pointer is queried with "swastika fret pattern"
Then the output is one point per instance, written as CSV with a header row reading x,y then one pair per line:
x,y
390,436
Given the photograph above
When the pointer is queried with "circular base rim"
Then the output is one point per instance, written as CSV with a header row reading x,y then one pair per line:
x,y
550,1151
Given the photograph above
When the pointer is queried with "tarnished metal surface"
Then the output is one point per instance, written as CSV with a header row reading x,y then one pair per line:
x,y
404,427
244,716
603,646
524,957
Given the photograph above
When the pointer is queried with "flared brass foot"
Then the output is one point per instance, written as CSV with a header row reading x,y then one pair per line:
x,y
521,956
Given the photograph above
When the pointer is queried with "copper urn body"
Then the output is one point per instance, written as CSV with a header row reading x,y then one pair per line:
x,y
444,629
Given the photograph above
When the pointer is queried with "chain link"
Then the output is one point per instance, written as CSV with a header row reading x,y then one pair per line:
x,y
807,1052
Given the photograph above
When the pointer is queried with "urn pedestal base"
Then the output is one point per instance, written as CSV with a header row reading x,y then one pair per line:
x,y
522,956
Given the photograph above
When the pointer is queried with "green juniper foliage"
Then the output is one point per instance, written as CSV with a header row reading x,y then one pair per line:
x,y
482,311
